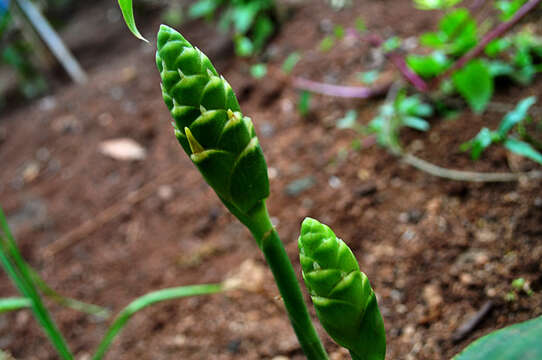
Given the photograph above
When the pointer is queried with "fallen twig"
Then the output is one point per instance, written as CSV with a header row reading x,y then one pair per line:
x,y
470,325
471,176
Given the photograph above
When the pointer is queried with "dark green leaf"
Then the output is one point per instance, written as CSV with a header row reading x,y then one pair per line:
x,y
475,83
128,14
304,102
519,341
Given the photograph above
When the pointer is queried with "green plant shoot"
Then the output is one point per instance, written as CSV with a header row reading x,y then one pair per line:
x,y
344,300
222,143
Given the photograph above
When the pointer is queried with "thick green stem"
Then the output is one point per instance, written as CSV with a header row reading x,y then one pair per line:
x,y
269,242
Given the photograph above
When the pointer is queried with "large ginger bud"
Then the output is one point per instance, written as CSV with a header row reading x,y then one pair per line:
x,y
209,125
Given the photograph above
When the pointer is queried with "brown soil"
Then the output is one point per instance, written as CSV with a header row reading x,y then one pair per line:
x,y
435,250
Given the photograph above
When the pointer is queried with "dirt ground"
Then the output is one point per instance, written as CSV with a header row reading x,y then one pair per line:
x,y
435,250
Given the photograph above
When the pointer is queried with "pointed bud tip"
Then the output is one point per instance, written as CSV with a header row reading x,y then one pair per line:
x,y
195,146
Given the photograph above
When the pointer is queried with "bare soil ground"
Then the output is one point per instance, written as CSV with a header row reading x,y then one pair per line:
x,y
435,250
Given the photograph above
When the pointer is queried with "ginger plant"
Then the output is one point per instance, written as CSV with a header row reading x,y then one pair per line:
x,y
222,143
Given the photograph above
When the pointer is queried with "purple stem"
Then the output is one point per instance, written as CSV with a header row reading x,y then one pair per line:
x,y
399,61
358,92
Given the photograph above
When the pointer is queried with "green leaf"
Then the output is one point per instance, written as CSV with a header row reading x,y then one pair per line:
x,y
515,116
475,83
304,102
348,121
368,77
497,46
428,66
523,149
145,301
416,123
14,303
360,25
479,143
128,14
261,32
203,8
508,8
327,43
519,341
435,4
500,68
258,71
391,44
243,46
338,31
290,62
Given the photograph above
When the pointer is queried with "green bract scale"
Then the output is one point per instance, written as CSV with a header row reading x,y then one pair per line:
x,y
209,125
344,301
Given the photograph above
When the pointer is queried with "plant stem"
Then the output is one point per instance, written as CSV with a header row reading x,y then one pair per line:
x,y
269,242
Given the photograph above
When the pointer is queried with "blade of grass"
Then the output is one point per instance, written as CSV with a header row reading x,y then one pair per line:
x,y
147,300
17,270
66,301
128,13
14,303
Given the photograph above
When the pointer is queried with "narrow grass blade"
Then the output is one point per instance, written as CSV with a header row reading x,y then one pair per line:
x,y
147,300
18,271
128,14
61,300
14,303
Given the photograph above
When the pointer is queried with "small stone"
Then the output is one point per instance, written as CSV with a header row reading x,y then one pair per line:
x,y
267,129
122,149
272,172
165,192
511,197
433,298
485,236
43,154
334,182
250,276
105,119
491,292
466,278
48,103
296,187
31,171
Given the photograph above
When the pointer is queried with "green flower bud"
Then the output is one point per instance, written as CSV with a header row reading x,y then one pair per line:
x,y
344,300
209,125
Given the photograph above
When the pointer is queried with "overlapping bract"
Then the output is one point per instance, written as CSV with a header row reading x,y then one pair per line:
x,y
209,125
344,301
